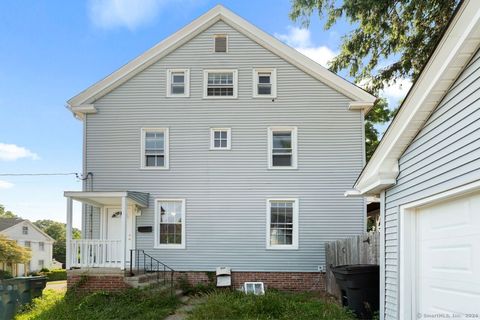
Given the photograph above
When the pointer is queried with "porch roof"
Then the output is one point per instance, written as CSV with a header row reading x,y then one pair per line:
x,y
109,198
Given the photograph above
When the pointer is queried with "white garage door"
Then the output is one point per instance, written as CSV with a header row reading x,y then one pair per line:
x,y
448,257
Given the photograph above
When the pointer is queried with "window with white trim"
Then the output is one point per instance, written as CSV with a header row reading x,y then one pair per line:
x,y
220,138
28,244
41,264
178,83
220,84
155,148
282,224
282,145
41,246
170,223
24,230
264,83
220,43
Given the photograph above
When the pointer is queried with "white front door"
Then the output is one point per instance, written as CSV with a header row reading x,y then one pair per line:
x,y
113,227
448,257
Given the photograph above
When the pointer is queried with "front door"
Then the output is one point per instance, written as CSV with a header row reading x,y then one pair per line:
x,y
113,227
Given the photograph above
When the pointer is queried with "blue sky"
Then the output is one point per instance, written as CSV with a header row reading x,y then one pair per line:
x,y
51,50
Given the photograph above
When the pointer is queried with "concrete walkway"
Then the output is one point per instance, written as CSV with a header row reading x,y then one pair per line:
x,y
57,285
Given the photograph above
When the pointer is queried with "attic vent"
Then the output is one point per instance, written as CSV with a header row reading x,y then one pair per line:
x,y
220,43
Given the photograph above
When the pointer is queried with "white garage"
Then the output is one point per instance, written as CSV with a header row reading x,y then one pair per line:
x,y
440,256
426,175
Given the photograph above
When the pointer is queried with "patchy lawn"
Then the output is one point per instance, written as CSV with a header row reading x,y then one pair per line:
x,y
273,305
131,304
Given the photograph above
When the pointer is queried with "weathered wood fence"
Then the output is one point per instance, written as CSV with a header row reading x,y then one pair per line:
x,y
363,249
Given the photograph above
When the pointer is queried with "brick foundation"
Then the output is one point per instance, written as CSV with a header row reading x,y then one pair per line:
x,y
86,281
286,281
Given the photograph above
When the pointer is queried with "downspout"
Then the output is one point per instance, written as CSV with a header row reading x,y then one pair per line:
x,y
382,255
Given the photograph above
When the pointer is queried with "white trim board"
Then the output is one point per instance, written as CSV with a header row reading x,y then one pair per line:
x,y
90,95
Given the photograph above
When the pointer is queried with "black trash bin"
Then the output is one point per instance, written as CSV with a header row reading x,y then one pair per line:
x,y
360,288
37,284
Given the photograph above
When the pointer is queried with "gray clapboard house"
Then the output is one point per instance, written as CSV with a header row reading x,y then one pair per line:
x,y
227,148
426,172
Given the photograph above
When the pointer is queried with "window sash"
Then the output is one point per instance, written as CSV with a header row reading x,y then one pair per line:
x,y
154,149
282,224
220,84
282,148
170,223
220,139
177,85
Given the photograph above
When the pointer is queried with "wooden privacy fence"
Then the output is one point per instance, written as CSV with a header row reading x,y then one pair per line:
x,y
362,249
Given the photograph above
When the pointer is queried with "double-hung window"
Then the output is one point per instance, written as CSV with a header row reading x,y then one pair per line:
x,y
282,148
220,138
178,83
41,246
220,84
155,149
28,244
282,224
170,223
264,83
24,230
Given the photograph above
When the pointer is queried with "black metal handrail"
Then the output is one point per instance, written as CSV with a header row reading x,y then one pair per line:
x,y
145,263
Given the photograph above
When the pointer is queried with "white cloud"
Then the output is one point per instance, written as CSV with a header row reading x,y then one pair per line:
x,y
395,92
5,184
110,14
10,152
301,40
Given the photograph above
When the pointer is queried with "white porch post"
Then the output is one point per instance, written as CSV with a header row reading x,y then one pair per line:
x,y
123,243
69,232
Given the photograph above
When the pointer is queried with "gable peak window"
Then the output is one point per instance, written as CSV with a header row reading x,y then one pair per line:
x,y
24,230
264,83
220,138
220,42
170,223
155,149
178,83
282,220
220,84
282,144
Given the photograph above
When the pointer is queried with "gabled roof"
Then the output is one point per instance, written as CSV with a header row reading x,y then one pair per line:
x,y
6,223
84,101
452,54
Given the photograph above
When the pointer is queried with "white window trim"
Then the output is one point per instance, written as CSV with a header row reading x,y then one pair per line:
x,y
186,78
294,245
273,79
212,138
235,83
294,147
156,241
220,35
166,148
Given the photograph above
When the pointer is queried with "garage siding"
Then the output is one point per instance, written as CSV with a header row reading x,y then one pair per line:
x,y
444,155
226,191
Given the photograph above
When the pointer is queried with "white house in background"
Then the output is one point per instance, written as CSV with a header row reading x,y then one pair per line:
x,y
426,172
30,236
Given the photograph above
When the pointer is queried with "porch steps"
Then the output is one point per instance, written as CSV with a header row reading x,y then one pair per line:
x,y
148,280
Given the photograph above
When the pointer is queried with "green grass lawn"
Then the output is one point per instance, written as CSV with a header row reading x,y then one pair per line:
x,y
131,304
273,305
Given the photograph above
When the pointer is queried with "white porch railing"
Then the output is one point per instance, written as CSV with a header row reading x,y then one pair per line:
x,y
95,253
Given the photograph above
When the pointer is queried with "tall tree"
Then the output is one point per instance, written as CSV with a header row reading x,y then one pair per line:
x,y
57,231
6,214
390,40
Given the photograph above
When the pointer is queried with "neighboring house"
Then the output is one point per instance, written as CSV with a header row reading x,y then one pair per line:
x,y
30,236
426,172
228,148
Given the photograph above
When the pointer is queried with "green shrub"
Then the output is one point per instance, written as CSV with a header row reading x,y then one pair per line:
x,y
44,270
56,275
4,274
